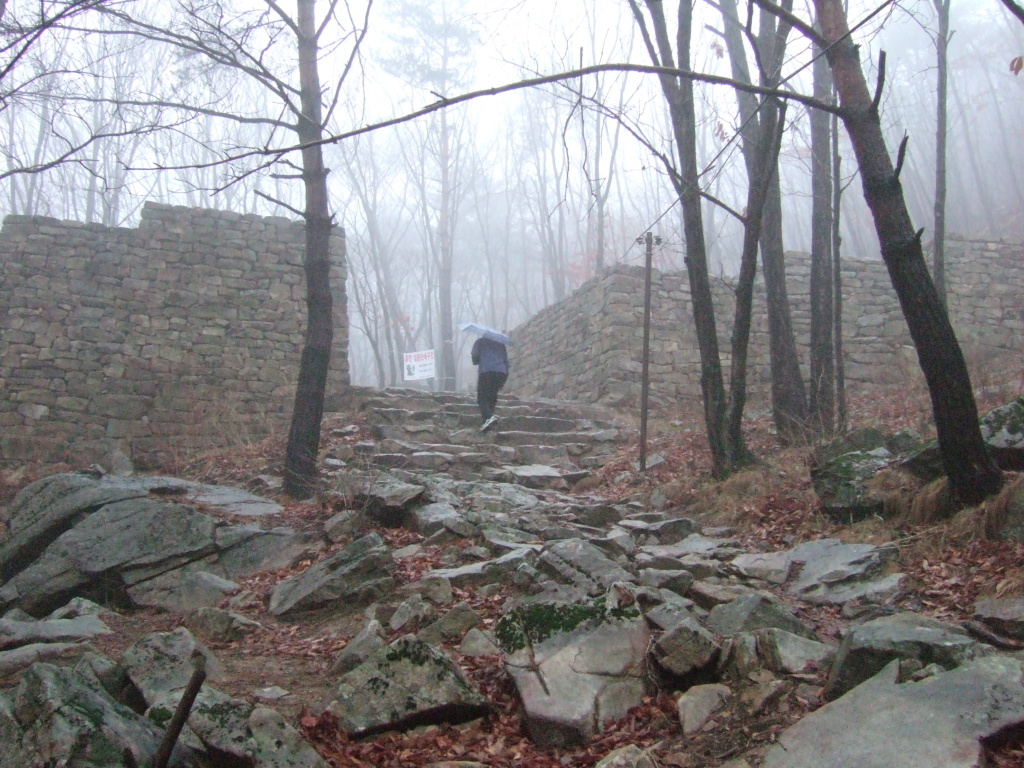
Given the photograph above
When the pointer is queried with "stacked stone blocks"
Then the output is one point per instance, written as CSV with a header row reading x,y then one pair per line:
x,y
589,346
186,331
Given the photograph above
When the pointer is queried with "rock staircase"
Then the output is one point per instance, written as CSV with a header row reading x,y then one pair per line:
x,y
538,443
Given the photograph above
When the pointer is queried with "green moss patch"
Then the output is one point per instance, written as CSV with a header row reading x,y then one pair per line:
x,y
536,622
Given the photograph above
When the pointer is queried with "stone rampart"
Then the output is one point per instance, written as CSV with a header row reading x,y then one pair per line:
x,y
184,332
588,347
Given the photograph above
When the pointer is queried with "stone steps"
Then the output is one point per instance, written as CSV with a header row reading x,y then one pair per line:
x,y
420,431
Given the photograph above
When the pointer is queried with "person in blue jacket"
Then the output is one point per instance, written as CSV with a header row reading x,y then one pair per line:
x,y
491,359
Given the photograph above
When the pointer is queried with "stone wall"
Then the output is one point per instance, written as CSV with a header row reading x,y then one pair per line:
x,y
184,332
588,347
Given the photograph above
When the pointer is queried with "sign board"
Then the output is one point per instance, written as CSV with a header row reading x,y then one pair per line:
x,y
418,365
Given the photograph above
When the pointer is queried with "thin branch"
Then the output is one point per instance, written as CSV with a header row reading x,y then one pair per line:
x,y
275,154
794,21
275,201
1015,9
879,83
184,107
284,17
349,64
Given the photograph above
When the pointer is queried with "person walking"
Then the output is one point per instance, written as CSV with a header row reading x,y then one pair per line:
x,y
491,359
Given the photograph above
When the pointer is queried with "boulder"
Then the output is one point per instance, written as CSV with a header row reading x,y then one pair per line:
x,y
406,684
488,571
629,756
161,663
869,647
241,732
478,643
686,649
389,500
536,476
791,654
18,633
182,590
755,611
1002,429
579,563
834,572
431,518
18,659
160,666
452,626
699,703
134,539
358,572
360,648
124,537
576,665
938,722
674,530
841,485
220,625
60,717
1004,616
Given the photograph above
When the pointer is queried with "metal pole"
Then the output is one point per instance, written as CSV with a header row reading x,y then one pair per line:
x,y
648,241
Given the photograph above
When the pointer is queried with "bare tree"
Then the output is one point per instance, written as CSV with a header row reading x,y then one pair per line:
x,y
216,36
939,235
789,398
822,369
972,473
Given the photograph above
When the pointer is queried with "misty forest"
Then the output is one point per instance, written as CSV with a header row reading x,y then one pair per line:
x,y
783,530
494,207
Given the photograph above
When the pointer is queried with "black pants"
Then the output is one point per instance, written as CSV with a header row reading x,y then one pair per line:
x,y
488,385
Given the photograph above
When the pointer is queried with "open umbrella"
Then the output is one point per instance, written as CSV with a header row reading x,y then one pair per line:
x,y
486,332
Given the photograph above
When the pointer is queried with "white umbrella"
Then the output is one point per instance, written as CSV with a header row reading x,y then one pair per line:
x,y
486,332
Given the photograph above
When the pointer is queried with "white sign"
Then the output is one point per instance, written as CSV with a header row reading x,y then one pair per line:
x,y
418,365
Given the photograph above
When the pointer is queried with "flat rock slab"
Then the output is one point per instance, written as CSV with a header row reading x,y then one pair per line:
x,y
834,572
752,612
1003,616
357,572
867,648
407,684
695,544
17,633
57,713
388,499
76,534
487,571
937,722
536,476
576,666
580,563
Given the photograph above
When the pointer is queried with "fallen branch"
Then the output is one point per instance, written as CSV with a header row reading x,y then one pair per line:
x,y
181,714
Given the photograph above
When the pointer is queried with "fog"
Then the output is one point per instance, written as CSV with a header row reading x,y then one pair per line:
x,y
523,195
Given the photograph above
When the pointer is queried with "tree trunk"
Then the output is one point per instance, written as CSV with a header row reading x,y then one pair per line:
x,y
822,392
765,167
837,275
789,398
679,97
971,471
939,235
446,245
300,471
